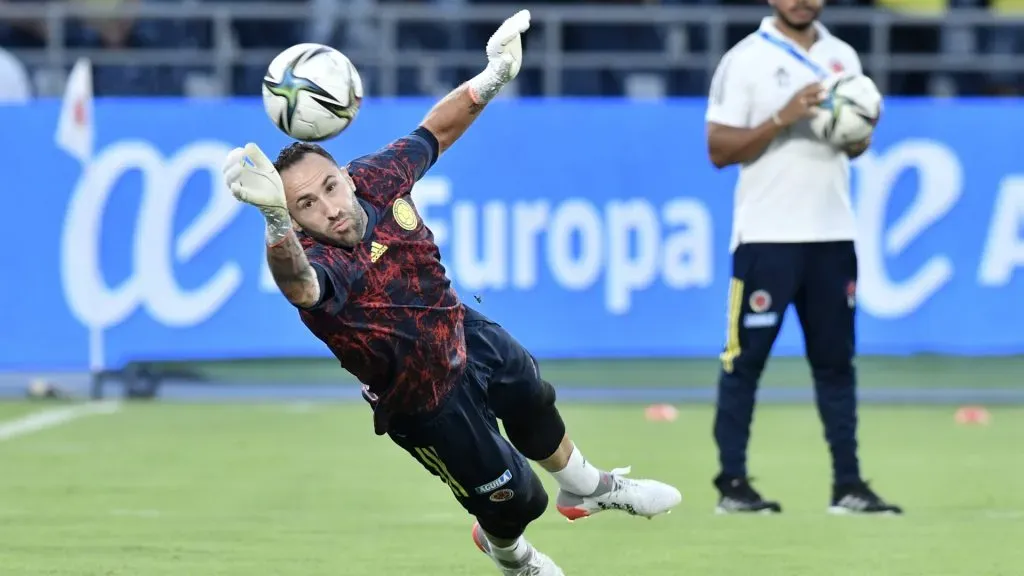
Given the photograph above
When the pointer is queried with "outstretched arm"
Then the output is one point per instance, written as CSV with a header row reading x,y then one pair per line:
x,y
400,164
292,272
252,178
449,118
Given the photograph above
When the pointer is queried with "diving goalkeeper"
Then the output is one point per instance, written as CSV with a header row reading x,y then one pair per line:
x,y
348,249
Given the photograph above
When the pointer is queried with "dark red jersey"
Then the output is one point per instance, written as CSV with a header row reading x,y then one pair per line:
x,y
388,311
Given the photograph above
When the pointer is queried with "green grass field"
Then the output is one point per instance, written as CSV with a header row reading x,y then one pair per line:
x,y
242,490
923,371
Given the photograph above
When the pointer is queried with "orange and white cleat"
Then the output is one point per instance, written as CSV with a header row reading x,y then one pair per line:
x,y
534,564
647,498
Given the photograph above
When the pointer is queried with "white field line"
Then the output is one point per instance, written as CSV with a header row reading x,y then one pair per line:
x,y
54,417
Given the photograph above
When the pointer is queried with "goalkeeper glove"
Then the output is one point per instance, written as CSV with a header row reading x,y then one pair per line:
x,y
504,58
257,182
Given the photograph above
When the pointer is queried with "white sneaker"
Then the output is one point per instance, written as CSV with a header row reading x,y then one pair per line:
x,y
646,498
536,564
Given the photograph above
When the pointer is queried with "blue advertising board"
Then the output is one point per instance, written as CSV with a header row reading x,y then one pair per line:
x,y
590,229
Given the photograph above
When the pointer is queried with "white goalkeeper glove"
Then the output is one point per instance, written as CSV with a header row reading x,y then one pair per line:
x,y
257,182
504,58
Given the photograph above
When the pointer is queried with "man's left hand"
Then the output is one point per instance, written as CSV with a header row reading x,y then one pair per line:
x,y
505,47
504,58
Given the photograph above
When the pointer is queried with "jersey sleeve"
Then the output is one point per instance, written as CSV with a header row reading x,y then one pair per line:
x,y
731,96
332,275
392,171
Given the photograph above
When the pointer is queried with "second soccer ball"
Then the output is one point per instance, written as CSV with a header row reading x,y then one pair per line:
x,y
850,111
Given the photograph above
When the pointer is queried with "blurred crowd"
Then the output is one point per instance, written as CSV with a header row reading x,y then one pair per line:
x,y
349,25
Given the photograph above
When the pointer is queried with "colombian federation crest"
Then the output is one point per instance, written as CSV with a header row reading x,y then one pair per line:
x,y
404,214
760,301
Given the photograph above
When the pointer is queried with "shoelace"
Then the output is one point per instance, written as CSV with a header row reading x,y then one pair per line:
x,y
619,475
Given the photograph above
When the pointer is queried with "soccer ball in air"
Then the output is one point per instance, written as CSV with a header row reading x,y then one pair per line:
x,y
850,110
312,92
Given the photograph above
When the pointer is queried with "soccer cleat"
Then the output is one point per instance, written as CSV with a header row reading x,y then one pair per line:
x,y
536,564
646,498
738,496
859,498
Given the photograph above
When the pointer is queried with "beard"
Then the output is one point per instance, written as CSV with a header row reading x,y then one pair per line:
x,y
798,26
352,236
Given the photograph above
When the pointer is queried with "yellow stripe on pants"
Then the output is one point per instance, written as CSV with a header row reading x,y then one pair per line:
x,y
732,325
430,458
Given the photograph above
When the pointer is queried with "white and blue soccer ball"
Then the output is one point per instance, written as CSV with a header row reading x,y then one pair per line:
x,y
850,110
312,92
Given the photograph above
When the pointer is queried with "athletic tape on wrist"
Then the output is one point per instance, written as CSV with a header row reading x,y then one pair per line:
x,y
485,86
279,223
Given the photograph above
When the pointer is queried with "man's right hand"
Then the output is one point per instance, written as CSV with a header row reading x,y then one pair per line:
x,y
802,105
252,179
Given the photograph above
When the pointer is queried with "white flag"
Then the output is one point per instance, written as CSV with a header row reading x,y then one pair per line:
x,y
76,127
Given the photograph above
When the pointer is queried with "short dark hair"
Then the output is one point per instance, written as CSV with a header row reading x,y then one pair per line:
x,y
292,153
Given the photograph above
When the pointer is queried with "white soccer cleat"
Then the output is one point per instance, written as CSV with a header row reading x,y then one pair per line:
x,y
536,564
647,498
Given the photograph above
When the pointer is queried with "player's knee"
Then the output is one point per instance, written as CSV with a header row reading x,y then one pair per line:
x,y
749,365
532,504
509,518
547,394
833,373
830,361
536,432
535,504
502,528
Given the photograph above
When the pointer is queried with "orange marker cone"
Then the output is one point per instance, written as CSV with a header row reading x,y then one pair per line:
x,y
661,413
972,415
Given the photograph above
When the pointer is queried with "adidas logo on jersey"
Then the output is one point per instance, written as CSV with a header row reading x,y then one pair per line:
x,y
376,251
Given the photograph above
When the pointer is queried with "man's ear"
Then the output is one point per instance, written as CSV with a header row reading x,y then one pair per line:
x,y
347,177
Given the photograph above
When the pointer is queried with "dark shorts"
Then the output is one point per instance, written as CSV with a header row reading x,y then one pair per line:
x,y
462,444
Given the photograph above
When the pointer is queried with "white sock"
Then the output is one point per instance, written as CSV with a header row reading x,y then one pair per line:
x,y
579,477
515,554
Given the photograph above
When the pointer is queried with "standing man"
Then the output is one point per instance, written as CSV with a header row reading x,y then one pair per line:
x,y
792,242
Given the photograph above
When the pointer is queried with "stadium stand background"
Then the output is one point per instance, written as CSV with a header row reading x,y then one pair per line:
x,y
201,48
197,49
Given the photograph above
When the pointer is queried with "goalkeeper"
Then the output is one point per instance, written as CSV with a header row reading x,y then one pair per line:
x,y
347,248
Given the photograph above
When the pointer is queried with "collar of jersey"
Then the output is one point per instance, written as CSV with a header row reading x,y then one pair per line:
x,y
371,218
